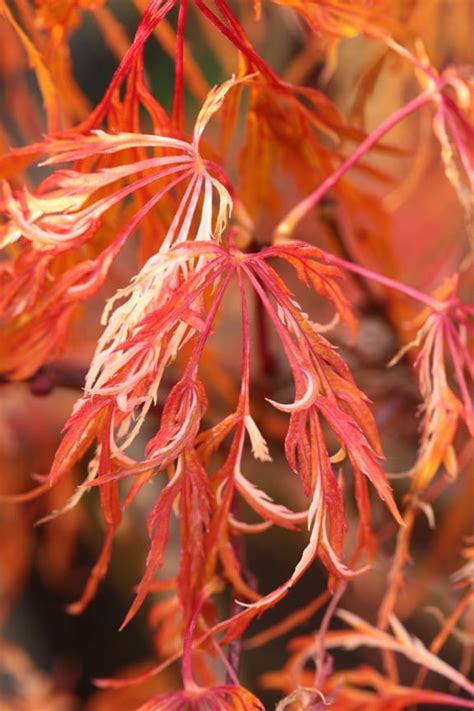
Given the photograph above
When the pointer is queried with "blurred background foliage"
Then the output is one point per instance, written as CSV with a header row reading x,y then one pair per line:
x,y
43,568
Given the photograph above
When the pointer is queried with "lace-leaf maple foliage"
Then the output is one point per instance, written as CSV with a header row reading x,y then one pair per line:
x,y
212,220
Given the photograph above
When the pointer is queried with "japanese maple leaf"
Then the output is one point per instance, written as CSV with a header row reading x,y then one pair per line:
x,y
64,214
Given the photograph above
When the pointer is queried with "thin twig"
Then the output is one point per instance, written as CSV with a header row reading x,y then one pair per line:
x,y
57,374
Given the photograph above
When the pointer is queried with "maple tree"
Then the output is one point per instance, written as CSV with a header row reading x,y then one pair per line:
x,y
238,239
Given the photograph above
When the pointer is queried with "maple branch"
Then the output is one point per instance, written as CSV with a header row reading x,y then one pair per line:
x,y
234,33
409,291
396,574
395,584
177,111
268,362
287,226
240,551
323,661
60,374
444,633
238,541
49,376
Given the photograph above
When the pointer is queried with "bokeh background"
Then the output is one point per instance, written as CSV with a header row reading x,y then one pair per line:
x,y
50,656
